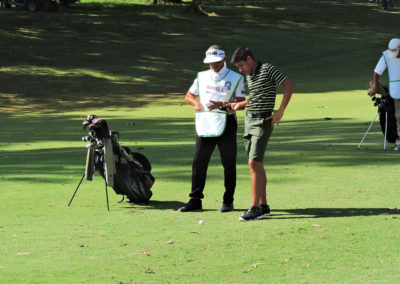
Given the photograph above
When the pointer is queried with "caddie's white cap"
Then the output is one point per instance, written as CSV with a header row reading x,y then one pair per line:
x,y
394,47
214,55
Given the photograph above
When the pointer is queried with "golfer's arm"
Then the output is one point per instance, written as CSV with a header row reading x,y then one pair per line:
x,y
374,84
375,78
242,102
287,94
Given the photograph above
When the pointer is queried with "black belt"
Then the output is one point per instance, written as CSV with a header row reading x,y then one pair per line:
x,y
253,114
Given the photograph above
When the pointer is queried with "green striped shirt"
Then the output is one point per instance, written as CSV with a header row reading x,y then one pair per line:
x,y
262,87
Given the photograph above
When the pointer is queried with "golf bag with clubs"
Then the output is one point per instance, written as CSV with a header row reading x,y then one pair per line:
x,y
127,172
387,116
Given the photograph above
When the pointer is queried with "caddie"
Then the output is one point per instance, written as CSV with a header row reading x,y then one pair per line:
x,y
215,127
390,59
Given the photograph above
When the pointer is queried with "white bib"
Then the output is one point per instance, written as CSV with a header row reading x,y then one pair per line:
x,y
213,123
393,66
210,123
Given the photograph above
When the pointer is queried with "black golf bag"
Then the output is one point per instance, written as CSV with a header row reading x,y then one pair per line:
x,y
127,172
386,107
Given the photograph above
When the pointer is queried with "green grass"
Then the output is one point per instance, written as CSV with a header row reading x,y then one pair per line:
x,y
334,208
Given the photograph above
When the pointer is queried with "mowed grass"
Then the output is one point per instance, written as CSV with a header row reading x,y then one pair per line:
x,y
334,208
333,217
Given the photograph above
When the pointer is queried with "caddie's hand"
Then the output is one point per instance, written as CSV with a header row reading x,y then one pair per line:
x,y
215,105
275,117
198,106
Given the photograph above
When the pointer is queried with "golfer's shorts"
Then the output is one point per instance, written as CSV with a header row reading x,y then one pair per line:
x,y
256,136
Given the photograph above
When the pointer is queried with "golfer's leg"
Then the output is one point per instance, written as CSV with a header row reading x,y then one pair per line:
x,y
263,193
203,152
227,146
256,151
258,182
257,172
397,114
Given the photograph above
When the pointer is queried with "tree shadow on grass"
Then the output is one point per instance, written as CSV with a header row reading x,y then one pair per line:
x,y
302,143
121,53
305,213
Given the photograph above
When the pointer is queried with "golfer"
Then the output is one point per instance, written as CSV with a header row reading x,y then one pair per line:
x,y
390,59
260,120
210,91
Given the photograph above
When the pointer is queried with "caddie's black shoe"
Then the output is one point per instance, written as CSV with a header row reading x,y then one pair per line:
x,y
265,211
252,214
192,205
226,207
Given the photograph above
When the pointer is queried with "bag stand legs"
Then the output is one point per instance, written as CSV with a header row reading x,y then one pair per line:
x,y
108,206
76,189
372,122
80,182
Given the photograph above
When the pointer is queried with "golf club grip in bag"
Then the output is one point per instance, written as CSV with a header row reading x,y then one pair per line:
x,y
132,175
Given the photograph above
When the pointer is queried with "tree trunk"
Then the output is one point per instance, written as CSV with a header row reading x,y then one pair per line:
x,y
385,4
195,7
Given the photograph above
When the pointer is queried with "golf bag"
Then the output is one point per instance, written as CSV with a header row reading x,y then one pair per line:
x,y
386,106
127,172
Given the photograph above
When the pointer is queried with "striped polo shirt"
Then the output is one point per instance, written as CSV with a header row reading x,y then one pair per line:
x,y
262,87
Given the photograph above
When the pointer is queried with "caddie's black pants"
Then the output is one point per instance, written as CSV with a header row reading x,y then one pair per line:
x,y
227,148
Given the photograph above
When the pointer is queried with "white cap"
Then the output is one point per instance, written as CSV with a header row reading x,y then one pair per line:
x,y
214,55
394,47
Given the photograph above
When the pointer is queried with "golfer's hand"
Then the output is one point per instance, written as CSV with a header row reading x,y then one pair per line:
x,y
275,117
235,106
230,110
198,106
373,90
372,93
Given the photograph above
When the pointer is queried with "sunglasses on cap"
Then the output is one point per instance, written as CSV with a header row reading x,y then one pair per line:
x,y
214,53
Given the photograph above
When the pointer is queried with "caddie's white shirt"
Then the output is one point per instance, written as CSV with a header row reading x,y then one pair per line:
x,y
394,73
240,90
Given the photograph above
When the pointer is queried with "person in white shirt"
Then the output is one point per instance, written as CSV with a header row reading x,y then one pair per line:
x,y
215,126
390,60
